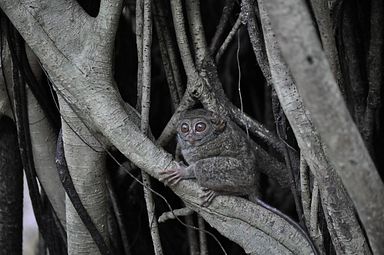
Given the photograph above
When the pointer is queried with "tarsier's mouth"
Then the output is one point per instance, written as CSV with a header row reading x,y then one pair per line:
x,y
192,141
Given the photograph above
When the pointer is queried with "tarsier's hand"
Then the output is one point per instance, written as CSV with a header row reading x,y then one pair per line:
x,y
173,176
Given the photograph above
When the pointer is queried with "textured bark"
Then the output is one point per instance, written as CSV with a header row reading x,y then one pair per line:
x,y
43,140
347,237
322,97
325,25
5,106
196,25
11,189
143,104
86,163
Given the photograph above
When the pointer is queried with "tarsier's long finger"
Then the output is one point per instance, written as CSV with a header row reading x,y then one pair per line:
x,y
175,179
164,178
206,193
167,171
207,201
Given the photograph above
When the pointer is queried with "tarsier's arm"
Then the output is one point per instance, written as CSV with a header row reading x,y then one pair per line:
x,y
172,176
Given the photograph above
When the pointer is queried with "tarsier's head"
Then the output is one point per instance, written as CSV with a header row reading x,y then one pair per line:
x,y
199,126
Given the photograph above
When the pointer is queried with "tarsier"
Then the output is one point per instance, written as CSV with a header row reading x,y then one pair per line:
x,y
218,153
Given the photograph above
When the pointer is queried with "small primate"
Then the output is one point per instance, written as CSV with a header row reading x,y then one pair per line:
x,y
218,153
221,158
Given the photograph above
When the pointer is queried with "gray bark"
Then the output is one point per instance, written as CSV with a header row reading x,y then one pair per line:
x,y
5,105
342,223
321,95
43,141
325,25
86,164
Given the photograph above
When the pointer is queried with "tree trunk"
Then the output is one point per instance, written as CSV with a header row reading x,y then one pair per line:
x,y
86,164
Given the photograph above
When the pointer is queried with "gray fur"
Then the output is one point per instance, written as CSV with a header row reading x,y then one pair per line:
x,y
221,158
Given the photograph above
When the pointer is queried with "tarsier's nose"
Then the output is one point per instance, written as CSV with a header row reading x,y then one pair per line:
x,y
191,140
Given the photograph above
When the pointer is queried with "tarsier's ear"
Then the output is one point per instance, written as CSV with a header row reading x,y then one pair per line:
x,y
218,122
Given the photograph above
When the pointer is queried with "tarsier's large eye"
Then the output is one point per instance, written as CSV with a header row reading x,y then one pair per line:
x,y
184,128
200,126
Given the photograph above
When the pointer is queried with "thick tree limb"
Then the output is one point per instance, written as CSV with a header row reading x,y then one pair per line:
x,y
347,152
86,161
340,215
81,211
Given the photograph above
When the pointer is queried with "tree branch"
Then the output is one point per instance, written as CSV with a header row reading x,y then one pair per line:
x,y
347,152
139,45
182,40
144,125
168,54
324,23
228,39
248,10
197,31
224,19
338,210
108,17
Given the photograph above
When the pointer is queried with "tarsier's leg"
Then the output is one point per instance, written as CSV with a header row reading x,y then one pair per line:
x,y
172,176
225,175
207,196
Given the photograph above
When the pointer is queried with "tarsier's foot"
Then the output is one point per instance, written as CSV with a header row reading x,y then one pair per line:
x,y
207,196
